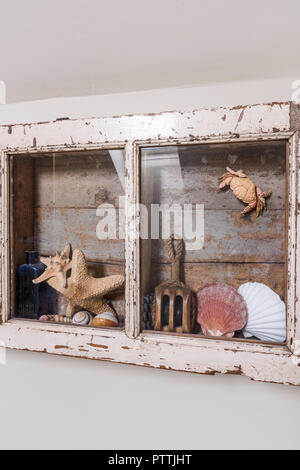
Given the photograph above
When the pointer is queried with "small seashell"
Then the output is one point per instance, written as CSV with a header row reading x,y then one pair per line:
x,y
56,319
105,319
82,318
62,319
221,310
266,311
47,318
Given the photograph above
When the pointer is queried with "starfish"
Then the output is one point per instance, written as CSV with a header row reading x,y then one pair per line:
x,y
83,291
57,266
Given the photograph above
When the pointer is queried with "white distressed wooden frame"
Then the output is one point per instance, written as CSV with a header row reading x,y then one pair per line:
x,y
259,361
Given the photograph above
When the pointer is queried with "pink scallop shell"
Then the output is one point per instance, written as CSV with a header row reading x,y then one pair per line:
x,y
221,310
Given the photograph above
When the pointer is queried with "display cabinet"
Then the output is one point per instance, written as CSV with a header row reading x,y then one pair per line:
x,y
168,240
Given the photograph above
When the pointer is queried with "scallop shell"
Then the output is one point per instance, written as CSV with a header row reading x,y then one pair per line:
x,y
221,310
105,319
82,318
267,313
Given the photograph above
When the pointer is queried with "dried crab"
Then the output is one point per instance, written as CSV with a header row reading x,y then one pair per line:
x,y
245,190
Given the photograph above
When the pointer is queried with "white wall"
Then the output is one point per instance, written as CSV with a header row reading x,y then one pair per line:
x,y
165,99
56,402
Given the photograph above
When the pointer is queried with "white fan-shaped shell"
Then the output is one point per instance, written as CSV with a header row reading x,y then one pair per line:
x,y
266,313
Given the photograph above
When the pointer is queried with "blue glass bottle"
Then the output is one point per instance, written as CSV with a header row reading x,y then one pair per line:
x,y
33,300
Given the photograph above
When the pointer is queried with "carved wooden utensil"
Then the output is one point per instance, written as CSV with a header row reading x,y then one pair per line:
x,y
174,307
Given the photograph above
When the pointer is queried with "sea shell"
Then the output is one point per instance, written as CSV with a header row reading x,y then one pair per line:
x,y
82,318
267,313
55,319
47,318
105,319
221,310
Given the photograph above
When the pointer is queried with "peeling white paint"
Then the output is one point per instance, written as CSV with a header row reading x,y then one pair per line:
x,y
270,363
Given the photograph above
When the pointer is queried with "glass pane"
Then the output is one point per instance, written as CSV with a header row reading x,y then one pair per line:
x,y
67,229
230,278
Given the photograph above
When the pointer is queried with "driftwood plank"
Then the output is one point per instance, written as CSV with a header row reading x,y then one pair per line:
x,y
234,274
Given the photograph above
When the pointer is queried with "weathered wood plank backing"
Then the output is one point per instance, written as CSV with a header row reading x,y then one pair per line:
x,y
82,180
234,274
194,178
244,240
23,202
236,249
68,190
230,238
54,227
55,201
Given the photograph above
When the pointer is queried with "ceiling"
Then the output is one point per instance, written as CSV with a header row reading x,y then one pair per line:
x,y
55,48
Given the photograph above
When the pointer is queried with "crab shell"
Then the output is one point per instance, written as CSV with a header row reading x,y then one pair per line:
x,y
244,189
